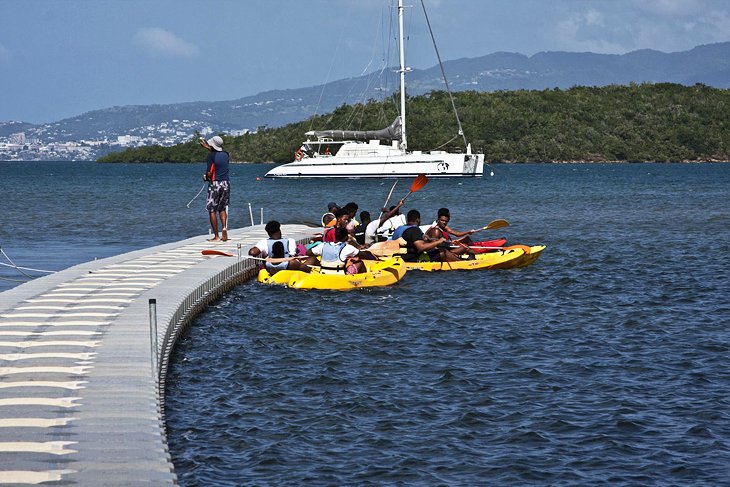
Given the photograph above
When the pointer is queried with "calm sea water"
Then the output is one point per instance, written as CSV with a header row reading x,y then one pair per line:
x,y
604,363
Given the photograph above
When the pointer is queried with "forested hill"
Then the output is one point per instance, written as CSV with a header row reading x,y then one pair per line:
x,y
647,122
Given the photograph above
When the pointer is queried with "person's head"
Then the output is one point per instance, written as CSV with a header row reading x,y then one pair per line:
x,y
327,219
444,216
365,217
273,228
332,207
351,208
216,143
394,207
414,217
343,217
277,250
341,234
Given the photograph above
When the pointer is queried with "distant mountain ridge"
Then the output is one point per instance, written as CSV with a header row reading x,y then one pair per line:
x,y
707,64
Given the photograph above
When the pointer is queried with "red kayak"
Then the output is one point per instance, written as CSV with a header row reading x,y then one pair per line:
x,y
499,242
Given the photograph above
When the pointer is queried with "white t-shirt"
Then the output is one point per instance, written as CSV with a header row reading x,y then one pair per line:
x,y
389,225
263,246
370,232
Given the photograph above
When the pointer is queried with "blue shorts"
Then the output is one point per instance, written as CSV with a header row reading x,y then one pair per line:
x,y
219,193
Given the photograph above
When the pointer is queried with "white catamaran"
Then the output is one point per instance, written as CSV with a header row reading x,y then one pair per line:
x,y
360,154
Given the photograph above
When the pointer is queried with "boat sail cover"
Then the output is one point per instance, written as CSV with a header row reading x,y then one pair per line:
x,y
393,132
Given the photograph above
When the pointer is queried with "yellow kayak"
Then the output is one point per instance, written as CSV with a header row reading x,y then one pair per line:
x,y
379,273
529,257
513,256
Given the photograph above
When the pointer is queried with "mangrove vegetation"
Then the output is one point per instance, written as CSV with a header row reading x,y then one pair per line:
x,y
635,123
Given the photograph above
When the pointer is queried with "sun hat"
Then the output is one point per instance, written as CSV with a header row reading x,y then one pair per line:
x,y
216,143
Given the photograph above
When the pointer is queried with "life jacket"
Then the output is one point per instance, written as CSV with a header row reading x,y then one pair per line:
x,y
331,259
360,233
399,231
270,244
444,233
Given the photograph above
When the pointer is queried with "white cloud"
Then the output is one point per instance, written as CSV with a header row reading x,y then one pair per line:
x,y
669,7
586,31
4,54
624,25
160,43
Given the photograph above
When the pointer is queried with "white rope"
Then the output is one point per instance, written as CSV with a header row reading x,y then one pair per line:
x,y
26,268
194,197
13,280
21,269
443,73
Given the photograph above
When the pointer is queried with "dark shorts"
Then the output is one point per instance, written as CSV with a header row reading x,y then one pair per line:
x,y
219,192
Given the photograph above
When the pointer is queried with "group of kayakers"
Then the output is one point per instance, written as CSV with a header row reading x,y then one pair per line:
x,y
345,242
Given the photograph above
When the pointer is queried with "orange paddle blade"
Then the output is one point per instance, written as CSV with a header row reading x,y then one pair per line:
x,y
216,252
420,181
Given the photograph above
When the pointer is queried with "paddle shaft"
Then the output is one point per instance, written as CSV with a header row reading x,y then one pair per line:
x,y
388,198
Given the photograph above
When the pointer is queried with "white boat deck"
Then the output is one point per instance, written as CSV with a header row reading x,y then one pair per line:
x,y
81,391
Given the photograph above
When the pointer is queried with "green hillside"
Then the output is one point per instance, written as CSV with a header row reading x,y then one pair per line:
x,y
647,122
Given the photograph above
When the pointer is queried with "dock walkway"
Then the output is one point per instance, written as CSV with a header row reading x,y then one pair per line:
x,y
81,390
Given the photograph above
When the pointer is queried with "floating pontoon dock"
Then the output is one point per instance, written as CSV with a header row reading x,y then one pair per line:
x,y
82,363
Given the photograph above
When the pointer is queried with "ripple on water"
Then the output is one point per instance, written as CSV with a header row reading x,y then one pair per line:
x,y
604,363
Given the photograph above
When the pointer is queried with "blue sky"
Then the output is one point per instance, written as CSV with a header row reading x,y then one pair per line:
x,y
61,58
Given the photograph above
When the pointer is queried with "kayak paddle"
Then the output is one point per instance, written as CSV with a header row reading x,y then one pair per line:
x,y
418,183
494,224
525,248
385,205
389,247
216,252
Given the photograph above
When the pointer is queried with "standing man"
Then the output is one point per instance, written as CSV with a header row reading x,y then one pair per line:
x,y
219,189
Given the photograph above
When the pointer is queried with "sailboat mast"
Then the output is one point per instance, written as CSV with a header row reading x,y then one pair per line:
x,y
404,143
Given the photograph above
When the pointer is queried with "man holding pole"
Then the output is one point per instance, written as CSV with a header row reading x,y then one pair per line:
x,y
219,189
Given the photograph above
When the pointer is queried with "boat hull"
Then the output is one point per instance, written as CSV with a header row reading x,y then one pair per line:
x,y
433,165
509,258
380,273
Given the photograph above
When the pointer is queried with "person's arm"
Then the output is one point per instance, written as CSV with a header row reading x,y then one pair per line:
x,y
423,246
204,144
389,214
257,249
459,234
316,250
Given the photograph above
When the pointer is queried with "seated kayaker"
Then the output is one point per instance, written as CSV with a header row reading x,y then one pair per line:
x,y
440,228
342,218
416,243
351,209
443,217
282,258
336,257
386,229
371,230
359,233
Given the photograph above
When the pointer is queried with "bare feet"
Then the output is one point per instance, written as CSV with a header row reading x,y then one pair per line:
x,y
214,239
224,234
